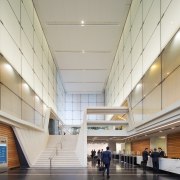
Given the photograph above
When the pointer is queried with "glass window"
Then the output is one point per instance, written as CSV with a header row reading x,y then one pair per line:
x,y
27,94
152,103
10,78
27,112
38,119
171,89
10,102
136,95
38,105
171,56
152,77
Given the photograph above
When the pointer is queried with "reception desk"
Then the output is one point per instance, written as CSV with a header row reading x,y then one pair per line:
x,y
165,164
130,159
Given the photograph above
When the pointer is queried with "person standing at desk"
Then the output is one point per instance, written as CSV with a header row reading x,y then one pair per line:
x,y
161,152
144,158
155,160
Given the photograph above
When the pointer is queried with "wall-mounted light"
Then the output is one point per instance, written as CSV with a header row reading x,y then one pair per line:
x,y
177,36
153,67
8,67
82,22
138,86
26,86
37,98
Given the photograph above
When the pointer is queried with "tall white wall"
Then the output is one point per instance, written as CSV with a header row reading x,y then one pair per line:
x,y
23,44
149,27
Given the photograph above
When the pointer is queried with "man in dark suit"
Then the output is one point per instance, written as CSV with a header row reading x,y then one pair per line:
x,y
106,158
145,158
155,160
161,152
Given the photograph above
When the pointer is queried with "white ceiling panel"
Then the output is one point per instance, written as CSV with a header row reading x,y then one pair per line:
x,y
88,38
84,75
84,87
89,10
87,60
84,51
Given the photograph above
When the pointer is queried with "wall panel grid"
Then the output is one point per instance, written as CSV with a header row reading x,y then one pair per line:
x,y
149,27
159,87
23,44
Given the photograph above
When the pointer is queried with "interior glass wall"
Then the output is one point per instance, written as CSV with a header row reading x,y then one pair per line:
x,y
17,98
160,86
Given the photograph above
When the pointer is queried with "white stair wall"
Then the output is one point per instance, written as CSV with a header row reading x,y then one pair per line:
x,y
66,156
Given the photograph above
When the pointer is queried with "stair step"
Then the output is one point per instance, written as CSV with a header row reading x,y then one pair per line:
x,y
66,156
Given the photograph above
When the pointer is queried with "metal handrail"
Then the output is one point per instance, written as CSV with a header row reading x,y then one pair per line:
x,y
64,127
55,152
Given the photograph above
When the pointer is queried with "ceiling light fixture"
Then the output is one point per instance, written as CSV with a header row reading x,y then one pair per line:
x,y
82,23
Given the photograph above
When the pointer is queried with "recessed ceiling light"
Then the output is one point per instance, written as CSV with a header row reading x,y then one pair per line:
x,y
173,128
160,131
163,137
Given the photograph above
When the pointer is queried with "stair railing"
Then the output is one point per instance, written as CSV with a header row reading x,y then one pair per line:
x,y
55,152
58,145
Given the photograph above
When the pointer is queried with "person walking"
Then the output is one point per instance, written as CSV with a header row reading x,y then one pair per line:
x,y
155,160
144,158
99,157
106,158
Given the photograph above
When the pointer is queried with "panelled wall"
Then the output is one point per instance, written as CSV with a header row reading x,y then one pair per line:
x,y
173,145
137,147
7,132
17,98
149,27
77,103
23,44
160,86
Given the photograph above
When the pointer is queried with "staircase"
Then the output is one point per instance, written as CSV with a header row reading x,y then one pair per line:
x,y
65,158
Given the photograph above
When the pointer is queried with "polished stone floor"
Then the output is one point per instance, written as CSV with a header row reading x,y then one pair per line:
x,y
118,170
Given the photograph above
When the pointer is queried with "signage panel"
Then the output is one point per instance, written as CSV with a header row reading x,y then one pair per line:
x,y
3,154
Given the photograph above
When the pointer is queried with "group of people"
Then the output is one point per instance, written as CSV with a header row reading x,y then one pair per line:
x,y
103,159
154,154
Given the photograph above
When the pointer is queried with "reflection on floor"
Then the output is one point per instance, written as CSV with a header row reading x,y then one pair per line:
x,y
117,171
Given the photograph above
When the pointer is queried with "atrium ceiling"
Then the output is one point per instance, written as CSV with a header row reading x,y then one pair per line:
x,y
83,36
